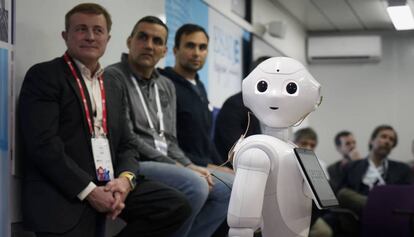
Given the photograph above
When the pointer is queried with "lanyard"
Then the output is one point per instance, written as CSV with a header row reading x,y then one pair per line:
x,y
85,105
160,114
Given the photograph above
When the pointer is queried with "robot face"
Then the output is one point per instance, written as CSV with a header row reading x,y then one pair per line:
x,y
280,92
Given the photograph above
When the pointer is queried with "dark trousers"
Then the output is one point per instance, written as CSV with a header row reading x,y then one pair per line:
x,y
152,209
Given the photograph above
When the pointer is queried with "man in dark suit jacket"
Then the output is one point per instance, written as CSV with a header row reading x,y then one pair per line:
x,y
361,176
396,173
65,108
345,144
377,169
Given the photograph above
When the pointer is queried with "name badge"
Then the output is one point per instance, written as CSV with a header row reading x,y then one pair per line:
x,y
161,144
102,159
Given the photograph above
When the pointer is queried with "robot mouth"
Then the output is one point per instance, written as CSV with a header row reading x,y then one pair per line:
x,y
274,108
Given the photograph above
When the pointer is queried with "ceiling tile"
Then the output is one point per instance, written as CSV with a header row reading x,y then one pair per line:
x,y
297,8
339,14
316,21
372,13
306,13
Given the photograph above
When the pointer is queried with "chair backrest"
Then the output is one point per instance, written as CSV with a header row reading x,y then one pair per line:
x,y
389,211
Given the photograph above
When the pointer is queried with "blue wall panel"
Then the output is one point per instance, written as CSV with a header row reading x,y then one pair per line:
x,y
4,142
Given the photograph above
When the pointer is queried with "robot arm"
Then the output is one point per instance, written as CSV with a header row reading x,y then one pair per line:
x,y
245,210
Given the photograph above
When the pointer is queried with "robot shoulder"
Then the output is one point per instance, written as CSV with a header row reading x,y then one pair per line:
x,y
259,151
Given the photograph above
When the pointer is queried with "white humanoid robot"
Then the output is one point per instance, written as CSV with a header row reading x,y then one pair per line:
x,y
269,190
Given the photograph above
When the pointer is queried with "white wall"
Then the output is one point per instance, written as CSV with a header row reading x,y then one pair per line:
x,y
263,48
294,42
359,97
263,12
225,8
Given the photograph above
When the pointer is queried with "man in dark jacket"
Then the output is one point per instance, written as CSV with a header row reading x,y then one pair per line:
x,y
80,157
233,119
361,176
377,169
346,145
194,117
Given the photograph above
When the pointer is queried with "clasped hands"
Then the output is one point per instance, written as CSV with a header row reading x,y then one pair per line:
x,y
110,199
204,173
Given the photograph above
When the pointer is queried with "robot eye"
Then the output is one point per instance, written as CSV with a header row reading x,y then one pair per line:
x,y
262,86
291,88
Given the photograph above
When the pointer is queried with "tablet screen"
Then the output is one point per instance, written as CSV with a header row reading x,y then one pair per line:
x,y
316,178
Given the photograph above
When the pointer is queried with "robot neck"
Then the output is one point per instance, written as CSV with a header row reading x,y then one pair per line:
x,y
281,133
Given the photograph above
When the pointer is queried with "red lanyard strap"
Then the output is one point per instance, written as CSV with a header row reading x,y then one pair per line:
x,y
103,100
84,101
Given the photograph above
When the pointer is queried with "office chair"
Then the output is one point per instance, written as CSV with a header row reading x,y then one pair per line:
x,y
389,212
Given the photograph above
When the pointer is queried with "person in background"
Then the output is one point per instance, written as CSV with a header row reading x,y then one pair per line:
x,y
152,107
308,139
376,169
346,145
194,117
79,153
232,121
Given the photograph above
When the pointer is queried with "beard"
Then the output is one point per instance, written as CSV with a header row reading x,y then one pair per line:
x,y
383,152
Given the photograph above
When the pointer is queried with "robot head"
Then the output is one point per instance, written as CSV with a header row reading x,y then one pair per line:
x,y
281,92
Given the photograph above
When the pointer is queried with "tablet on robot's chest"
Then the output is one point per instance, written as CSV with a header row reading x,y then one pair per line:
x,y
315,177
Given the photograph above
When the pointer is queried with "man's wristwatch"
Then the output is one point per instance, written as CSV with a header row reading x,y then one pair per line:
x,y
131,178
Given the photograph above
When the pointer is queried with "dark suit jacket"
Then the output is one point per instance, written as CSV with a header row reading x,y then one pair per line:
x,y
336,174
397,173
57,149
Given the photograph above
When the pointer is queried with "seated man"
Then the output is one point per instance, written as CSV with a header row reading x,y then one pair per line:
x,y
308,139
232,121
80,167
194,117
346,145
376,169
152,108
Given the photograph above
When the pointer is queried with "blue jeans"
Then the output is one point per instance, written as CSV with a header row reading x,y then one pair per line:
x,y
209,209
